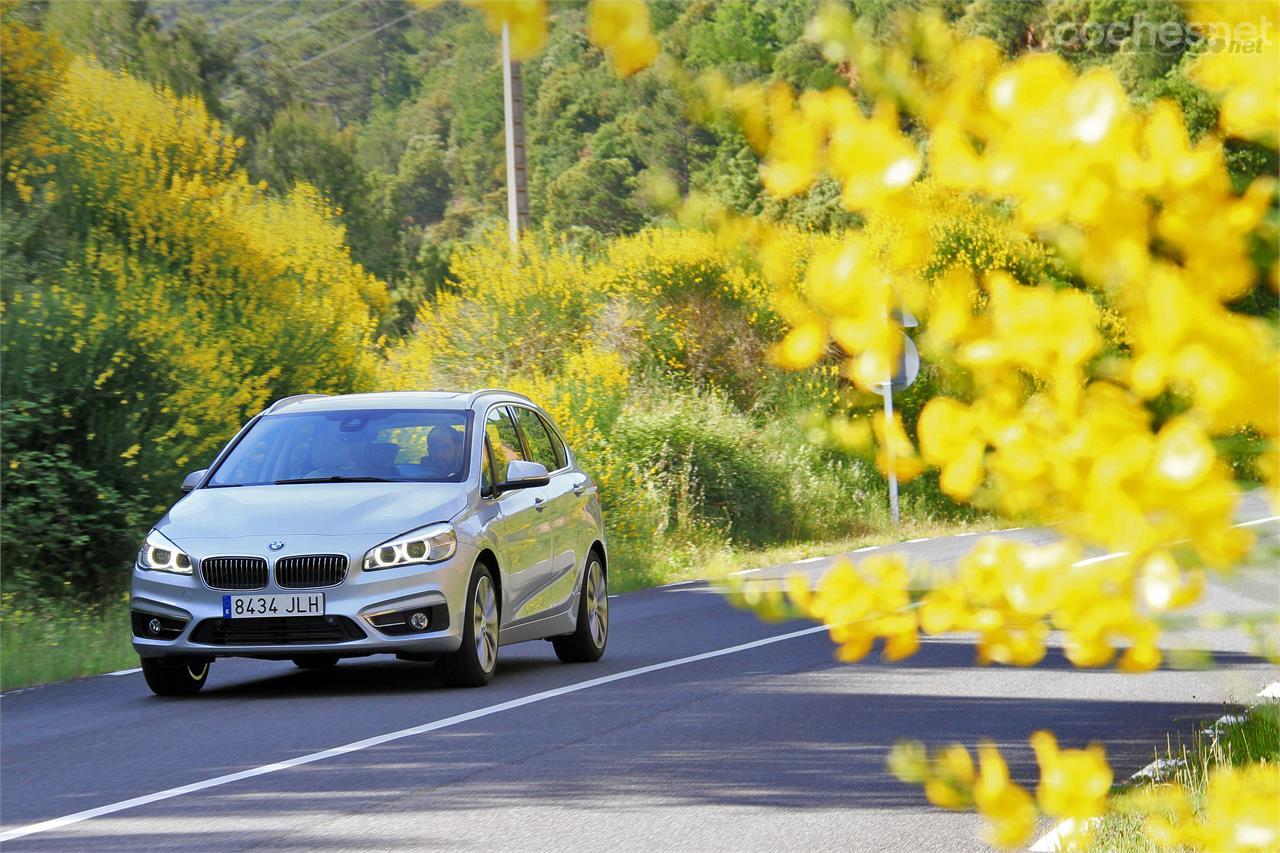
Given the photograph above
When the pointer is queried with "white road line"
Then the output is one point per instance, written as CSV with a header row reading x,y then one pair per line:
x,y
808,560
867,548
1271,691
962,535
126,671
746,571
1102,558
1257,521
378,740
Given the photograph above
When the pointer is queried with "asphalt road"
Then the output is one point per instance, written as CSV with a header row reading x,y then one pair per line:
x,y
706,747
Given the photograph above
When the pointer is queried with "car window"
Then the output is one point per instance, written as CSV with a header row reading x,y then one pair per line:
x,y
535,435
504,439
562,455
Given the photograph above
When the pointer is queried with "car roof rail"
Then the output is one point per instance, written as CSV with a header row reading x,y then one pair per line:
x,y
475,395
289,401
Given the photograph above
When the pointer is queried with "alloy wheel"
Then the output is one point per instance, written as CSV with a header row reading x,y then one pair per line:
x,y
597,604
484,616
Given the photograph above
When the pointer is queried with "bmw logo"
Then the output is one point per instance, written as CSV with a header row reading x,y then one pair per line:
x,y
276,545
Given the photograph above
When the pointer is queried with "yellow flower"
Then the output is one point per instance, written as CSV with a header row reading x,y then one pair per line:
x,y
794,155
949,439
621,29
1249,83
525,20
1010,811
951,776
1240,812
906,464
802,346
1074,783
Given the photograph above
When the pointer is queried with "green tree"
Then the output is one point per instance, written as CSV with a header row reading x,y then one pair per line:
x,y
187,56
422,185
738,33
308,146
596,194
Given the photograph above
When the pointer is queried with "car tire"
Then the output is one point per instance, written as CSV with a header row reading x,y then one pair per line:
x,y
586,643
315,661
174,679
473,664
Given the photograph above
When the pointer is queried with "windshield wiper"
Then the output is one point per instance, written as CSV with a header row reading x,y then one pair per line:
x,y
334,479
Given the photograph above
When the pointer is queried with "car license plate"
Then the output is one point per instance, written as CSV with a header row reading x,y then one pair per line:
x,y
245,606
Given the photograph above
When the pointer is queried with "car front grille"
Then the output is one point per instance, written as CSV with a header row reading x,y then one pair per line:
x,y
276,631
313,570
234,572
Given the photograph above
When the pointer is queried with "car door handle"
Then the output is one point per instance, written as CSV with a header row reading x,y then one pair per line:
x,y
539,504
579,487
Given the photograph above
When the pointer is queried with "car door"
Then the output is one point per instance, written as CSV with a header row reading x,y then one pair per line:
x,y
559,511
521,525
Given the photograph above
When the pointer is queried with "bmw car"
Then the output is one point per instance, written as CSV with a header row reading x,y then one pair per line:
x,y
434,526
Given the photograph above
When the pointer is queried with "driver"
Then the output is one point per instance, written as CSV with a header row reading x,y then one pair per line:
x,y
444,453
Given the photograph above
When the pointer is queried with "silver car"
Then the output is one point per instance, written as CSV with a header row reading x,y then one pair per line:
x,y
434,526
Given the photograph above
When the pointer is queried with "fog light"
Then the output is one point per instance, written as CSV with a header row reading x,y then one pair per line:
x,y
154,626
418,620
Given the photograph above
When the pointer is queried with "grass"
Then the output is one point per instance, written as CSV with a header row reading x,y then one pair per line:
x,y
696,560
54,642
49,641
1253,738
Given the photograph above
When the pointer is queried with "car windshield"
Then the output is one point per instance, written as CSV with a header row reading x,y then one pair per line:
x,y
350,446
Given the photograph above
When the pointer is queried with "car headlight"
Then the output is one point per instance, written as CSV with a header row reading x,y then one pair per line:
x,y
158,554
428,545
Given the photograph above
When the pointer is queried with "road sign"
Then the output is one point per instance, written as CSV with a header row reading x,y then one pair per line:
x,y
907,370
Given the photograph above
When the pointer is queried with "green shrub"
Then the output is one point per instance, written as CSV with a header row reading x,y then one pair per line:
x,y
707,463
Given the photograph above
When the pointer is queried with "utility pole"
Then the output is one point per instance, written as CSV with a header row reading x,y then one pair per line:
x,y
517,181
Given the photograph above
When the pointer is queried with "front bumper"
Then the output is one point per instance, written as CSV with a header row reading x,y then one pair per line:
x,y
354,603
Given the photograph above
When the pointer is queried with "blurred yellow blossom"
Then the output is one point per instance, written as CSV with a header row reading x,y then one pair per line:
x,y
1074,782
621,29
525,20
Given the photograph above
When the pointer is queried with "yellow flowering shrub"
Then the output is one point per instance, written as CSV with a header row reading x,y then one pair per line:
x,y
183,299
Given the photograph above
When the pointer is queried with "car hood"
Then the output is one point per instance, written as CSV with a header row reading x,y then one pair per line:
x,y
312,509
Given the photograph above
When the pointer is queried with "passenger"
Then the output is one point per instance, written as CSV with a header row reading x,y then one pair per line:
x,y
444,454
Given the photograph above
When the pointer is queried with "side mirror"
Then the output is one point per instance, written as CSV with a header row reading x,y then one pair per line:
x,y
524,475
193,479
